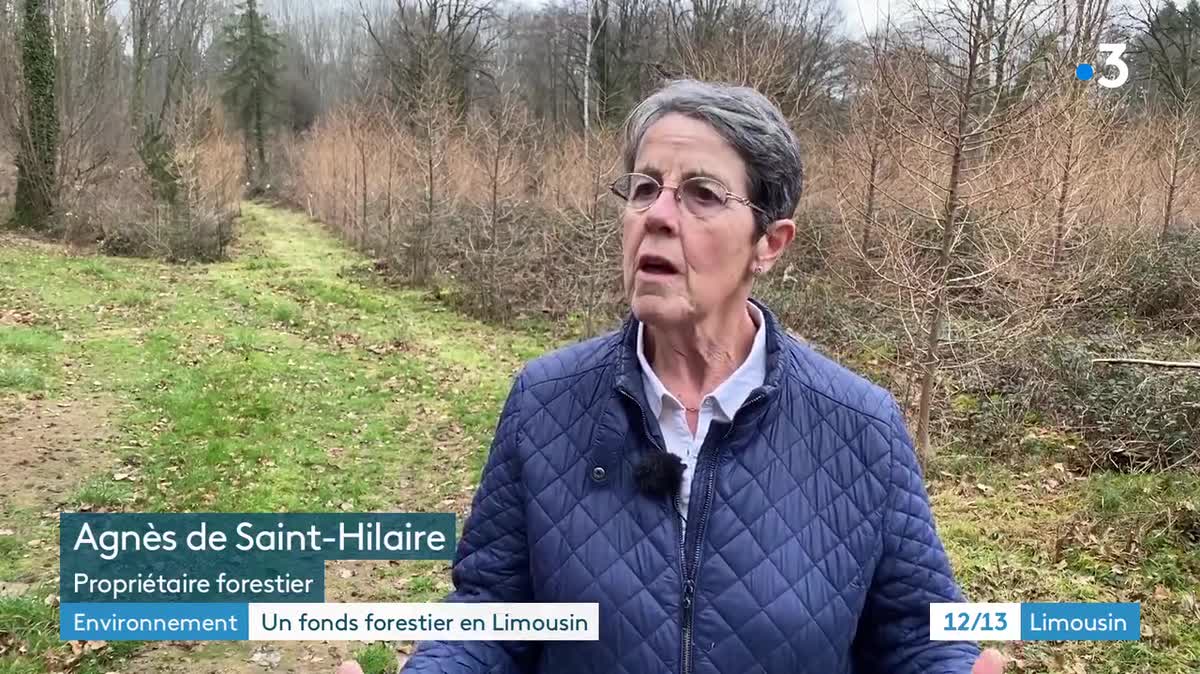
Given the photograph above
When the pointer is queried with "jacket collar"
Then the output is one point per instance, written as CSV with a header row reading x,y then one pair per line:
x,y
629,369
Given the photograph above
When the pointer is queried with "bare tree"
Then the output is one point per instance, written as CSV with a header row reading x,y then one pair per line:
x,y
951,255
866,163
1176,149
12,91
586,237
436,119
493,251
166,37
169,42
1169,40
1086,113
91,105
789,50
447,41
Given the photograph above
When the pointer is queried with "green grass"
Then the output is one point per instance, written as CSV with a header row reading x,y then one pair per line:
x,y
1037,533
31,623
272,382
20,377
27,341
286,379
377,658
27,358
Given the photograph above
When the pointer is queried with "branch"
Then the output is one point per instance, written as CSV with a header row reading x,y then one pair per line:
x,y
1141,361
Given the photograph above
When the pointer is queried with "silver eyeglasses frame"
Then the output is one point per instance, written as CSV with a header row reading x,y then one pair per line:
x,y
728,195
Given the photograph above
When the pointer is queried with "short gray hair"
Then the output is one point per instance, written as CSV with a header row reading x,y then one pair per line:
x,y
749,122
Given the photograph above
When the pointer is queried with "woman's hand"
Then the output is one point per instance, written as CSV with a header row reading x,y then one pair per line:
x,y
351,667
990,661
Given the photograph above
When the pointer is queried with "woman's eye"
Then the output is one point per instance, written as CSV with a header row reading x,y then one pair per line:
x,y
705,195
643,190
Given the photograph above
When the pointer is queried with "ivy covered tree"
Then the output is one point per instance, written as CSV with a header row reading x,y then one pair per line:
x,y
38,156
250,74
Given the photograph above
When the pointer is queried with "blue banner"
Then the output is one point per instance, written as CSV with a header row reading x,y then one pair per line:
x,y
1081,622
154,621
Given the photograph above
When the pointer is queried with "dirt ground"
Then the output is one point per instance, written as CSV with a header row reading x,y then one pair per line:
x,y
285,657
50,448
344,582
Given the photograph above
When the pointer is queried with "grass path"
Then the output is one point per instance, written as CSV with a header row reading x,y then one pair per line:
x,y
278,381
288,379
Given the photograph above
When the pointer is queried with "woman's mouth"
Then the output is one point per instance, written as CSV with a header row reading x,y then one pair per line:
x,y
656,266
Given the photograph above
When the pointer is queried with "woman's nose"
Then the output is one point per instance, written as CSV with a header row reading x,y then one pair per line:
x,y
664,213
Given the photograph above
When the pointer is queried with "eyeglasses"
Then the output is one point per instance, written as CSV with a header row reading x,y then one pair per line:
x,y
701,196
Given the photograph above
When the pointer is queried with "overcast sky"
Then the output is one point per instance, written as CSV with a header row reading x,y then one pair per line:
x,y
863,15
860,15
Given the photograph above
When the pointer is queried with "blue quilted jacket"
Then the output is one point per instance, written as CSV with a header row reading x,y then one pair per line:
x,y
810,546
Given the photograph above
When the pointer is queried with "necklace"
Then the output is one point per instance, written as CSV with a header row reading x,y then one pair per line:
x,y
686,408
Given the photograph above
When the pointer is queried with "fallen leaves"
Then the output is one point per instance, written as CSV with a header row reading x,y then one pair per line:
x,y
84,647
18,317
266,656
58,662
346,340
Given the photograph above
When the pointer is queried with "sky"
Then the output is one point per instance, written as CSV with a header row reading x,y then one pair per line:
x,y
862,16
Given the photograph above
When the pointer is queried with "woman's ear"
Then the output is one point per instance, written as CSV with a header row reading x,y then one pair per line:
x,y
771,245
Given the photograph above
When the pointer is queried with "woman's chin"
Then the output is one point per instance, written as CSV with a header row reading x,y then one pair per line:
x,y
660,310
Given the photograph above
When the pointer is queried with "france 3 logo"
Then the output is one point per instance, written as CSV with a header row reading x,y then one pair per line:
x,y
1085,71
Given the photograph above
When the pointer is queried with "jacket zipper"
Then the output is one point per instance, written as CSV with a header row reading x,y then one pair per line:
x,y
689,613
689,576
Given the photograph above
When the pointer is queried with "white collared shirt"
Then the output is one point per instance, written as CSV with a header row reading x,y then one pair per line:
x,y
722,404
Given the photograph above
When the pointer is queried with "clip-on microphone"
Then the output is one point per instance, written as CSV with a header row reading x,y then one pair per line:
x,y
659,475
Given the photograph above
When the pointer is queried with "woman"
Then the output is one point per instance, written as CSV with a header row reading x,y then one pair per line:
x,y
734,501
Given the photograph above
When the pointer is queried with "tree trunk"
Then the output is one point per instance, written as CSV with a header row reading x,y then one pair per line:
x,y
587,72
260,138
1064,190
423,243
387,209
929,379
1172,187
493,291
872,188
38,157
950,212
362,228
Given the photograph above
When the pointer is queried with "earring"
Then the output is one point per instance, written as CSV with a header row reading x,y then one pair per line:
x,y
758,270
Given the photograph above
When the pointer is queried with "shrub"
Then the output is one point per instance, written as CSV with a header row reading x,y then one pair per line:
x,y
1159,281
1133,418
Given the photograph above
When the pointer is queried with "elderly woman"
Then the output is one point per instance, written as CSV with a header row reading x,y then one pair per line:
x,y
734,501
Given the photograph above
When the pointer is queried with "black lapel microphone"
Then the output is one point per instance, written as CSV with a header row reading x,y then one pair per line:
x,y
659,475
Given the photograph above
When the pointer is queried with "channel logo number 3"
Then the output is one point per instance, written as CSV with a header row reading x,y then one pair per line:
x,y
1114,50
